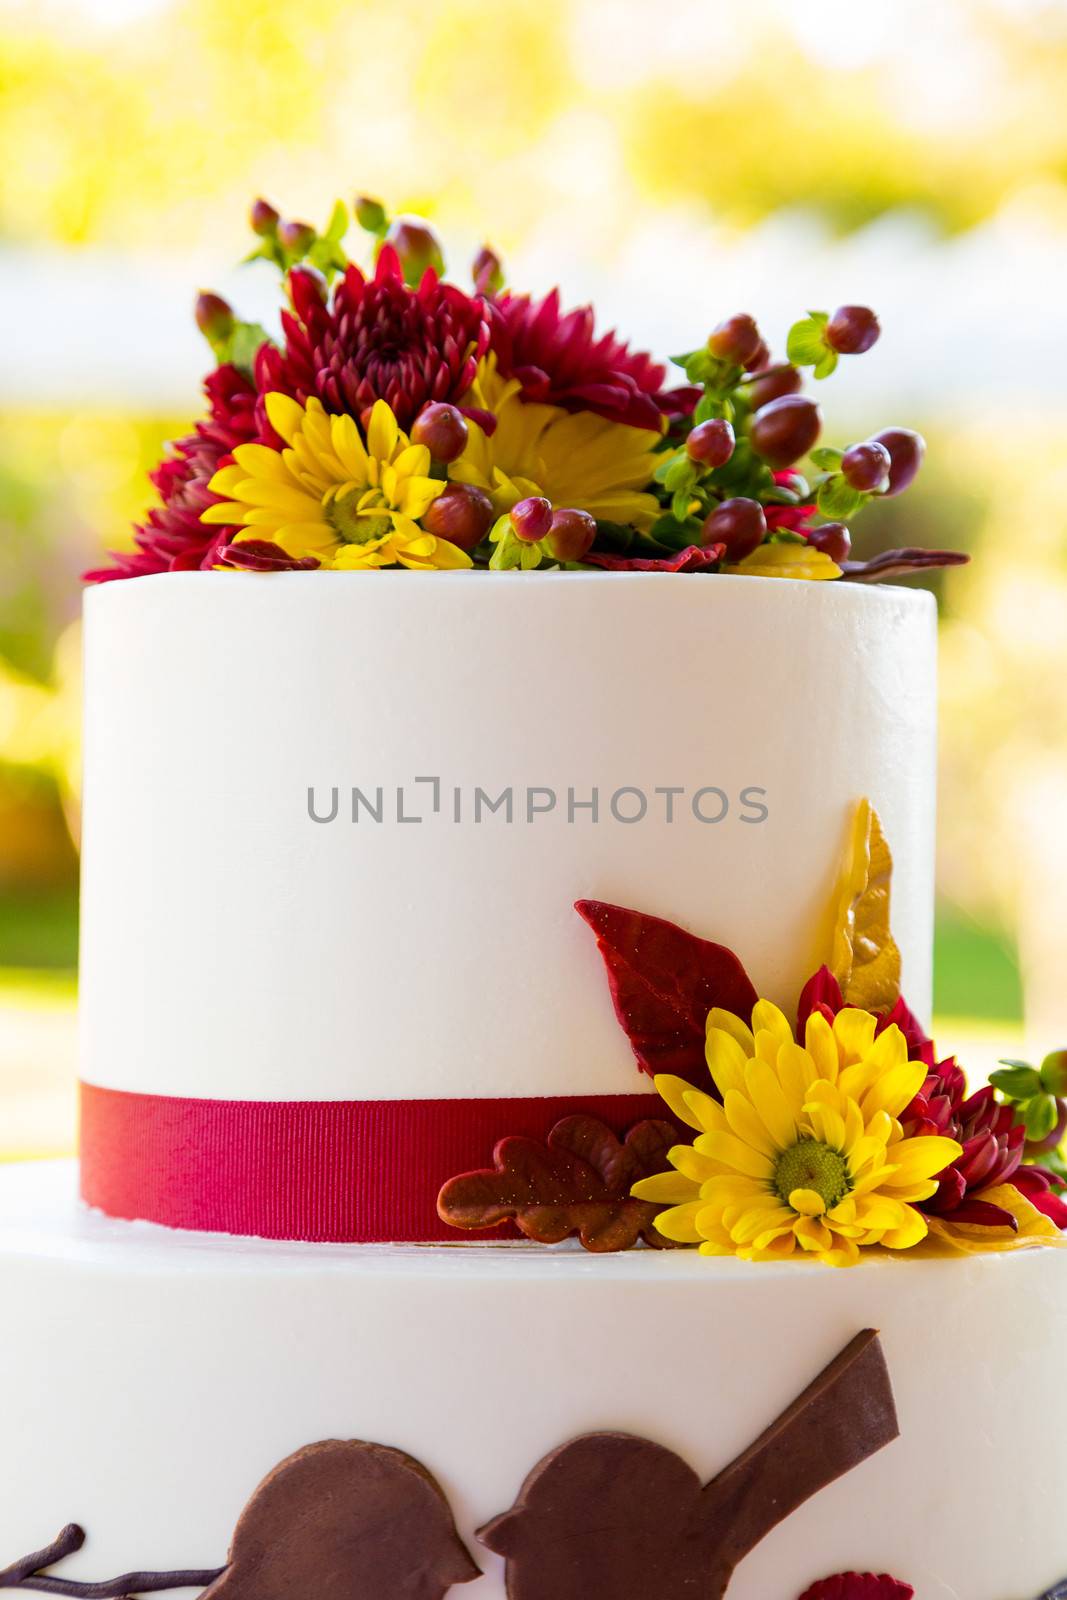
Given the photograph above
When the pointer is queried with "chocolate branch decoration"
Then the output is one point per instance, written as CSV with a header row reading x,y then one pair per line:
x,y
340,1520
613,1517
29,1573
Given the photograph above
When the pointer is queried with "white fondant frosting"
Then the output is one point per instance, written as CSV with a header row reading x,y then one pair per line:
x,y
234,948
149,1380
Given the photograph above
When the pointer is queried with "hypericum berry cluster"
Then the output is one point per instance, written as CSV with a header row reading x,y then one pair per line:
x,y
532,532
733,479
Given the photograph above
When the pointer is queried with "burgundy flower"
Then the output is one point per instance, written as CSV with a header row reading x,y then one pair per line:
x,y
560,361
992,1145
859,1586
378,340
172,538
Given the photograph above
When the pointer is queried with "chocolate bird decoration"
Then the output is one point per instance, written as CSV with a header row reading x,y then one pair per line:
x,y
613,1517
337,1521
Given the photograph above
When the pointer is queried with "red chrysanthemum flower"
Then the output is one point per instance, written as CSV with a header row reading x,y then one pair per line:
x,y
859,1586
992,1140
559,360
172,538
992,1145
378,339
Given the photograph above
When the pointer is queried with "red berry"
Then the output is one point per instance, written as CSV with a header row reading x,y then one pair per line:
x,y
571,535
774,383
263,217
214,316
866,466
852,330
736,340
760,358
833,539
738,524
785,429
711,443
296,238
461,514
531,519
906,450
442,429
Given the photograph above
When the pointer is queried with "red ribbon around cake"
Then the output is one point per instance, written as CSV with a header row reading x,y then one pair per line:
x,y
366,1171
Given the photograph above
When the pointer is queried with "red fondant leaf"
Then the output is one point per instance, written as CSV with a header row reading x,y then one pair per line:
x,y
859,1586
898,563
664,982
578,1181
694,558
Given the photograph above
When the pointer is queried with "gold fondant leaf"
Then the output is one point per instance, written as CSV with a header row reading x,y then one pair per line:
x,y
864,958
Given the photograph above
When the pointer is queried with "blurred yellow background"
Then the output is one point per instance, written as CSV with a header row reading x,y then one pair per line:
x,y
676,164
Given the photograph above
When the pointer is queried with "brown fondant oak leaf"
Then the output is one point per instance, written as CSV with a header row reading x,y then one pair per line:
x,y
613,1517
578,1181
664,982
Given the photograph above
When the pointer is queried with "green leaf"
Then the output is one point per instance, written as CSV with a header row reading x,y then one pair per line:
x,y
337,226
530,556
239,349
1016,1080
711,406
614,537
837,500
680,502
681,474
672,534
826,457
806,343
698,366
1039,1117
505,557
826,363
1054,1073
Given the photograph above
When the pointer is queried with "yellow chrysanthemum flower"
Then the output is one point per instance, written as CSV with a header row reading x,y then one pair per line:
x,y
329,494
574,459
806,1152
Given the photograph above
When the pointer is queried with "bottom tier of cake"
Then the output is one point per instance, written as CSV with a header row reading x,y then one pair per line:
x,y
149,1381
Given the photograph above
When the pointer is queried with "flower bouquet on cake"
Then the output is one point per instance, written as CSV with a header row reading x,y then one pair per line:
x,y
398,420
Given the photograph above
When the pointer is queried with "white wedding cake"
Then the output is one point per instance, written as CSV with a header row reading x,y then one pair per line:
x,y
375,866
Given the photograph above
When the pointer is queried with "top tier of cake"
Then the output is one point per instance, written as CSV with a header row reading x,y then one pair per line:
x,y
335,826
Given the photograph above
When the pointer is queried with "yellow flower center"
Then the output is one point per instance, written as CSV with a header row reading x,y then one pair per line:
x,y
809,1165
353,517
